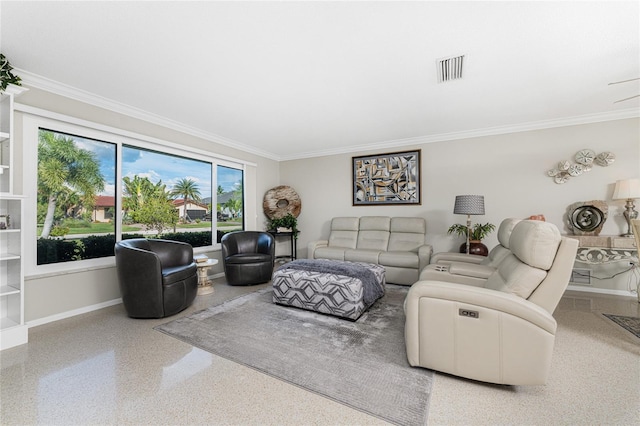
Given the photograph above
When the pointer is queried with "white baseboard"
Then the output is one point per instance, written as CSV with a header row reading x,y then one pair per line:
x,y
612,292
85,309
73,313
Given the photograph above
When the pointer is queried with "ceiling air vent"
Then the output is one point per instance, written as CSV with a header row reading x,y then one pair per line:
x,y
450,68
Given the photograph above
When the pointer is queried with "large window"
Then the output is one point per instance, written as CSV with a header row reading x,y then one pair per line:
x,y
92,192
76,199
166,195
230,207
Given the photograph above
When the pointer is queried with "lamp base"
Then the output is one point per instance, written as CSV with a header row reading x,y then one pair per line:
x,y
629,214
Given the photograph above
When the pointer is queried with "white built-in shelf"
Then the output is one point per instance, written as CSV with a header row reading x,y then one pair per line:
x,y
9,231
7,290
6,322
13,330
9,256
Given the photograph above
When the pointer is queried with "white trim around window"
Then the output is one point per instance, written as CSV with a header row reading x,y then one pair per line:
x,y
33,119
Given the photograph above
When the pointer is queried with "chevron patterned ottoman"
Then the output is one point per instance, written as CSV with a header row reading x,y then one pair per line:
x,y
343,289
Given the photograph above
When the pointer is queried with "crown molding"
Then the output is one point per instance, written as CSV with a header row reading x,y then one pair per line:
x,y
468,134
46,84
61,89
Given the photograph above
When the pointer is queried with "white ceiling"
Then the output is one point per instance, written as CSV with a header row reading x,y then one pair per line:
x,y
298,79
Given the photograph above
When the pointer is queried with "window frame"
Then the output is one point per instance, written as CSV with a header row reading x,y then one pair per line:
x,y
34,119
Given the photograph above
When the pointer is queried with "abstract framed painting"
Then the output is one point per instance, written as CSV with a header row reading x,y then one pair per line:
x,y
384,179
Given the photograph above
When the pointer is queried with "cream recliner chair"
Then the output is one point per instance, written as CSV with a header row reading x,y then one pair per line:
x,y
502,332
470,269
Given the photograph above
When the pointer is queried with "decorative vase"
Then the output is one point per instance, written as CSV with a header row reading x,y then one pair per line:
x,y
475,247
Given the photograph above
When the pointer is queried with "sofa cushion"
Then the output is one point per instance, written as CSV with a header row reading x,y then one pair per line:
x,y
362,255
501,251
178,273
344,232
505,230
401,259
373,233
407,233
535,243
334,253
515,277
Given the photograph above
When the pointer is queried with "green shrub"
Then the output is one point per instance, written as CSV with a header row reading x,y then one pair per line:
x,y
53,250
196,239
59,231
96,246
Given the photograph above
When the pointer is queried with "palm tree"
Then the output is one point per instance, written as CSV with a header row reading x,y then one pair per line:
x,y
234,205
63,166
138,190
188,190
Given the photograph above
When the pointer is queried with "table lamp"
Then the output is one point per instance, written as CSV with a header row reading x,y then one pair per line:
x,y
628,189
469,205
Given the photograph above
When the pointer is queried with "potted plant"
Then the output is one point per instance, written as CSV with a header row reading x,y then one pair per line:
x,y
6,76
287,223
478,232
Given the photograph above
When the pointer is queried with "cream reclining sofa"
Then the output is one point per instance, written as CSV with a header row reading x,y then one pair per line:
x,y
502,332
397,243
496,254
470,269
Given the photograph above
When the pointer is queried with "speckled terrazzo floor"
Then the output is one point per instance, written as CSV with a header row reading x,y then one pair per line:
x,y
103,368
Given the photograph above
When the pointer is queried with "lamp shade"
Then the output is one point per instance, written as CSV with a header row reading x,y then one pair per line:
x,y
469,204
626,189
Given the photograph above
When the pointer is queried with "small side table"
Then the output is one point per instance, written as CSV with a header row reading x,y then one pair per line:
x,y
292,240
205,285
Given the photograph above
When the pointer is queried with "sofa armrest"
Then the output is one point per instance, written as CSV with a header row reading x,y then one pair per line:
x,y
444,258
480,297
424,256
471,270
313,245
139,272
478,333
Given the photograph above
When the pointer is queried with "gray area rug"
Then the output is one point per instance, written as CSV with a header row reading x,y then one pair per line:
x,y
631,324
361,364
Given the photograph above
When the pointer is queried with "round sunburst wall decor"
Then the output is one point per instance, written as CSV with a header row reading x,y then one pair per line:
x,y
281,201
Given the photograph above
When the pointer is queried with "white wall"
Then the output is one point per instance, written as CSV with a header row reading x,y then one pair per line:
x,y
509,170
54,295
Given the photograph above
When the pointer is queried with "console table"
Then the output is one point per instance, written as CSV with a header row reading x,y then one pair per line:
x,y
604,248
292,240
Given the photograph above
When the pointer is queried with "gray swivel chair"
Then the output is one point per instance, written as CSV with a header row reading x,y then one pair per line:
x,y
157,278
248,257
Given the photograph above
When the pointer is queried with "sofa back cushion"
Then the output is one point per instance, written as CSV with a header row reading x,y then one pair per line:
x,y
534,246
505,230
535,243
501,251
407,233
344,232
515,277
374,233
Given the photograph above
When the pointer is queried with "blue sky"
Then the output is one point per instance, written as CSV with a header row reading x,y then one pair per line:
x,y
167,168
156,166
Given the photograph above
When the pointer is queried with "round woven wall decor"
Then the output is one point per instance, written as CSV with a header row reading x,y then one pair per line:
x,y
280,201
